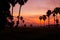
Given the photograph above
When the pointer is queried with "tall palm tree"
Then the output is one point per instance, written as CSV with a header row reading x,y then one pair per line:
x,y
54,17
21,2
48,15
44,18
13,2
40,18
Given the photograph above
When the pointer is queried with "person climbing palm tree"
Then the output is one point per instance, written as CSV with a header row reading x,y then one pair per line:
x,y
20,2
48,15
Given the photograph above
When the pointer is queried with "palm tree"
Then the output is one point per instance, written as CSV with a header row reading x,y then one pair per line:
x,y
23,21
54,17
56,11
44,18
24,25
40,18
13,2
21,2
21,18
48,15
31,25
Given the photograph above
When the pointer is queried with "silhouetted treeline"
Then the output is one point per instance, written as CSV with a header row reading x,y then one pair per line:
x,y
5,14
54,14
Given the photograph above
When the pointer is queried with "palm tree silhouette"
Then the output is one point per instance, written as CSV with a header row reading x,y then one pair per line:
x,y
21,18
54,17
40,18
21,2
23,21
24,25
44,18
13,2
48,15
56,11
31,25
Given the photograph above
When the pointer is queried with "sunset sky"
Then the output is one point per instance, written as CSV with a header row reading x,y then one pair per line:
x,y
35,8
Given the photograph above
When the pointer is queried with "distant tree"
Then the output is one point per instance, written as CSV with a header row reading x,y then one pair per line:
x,y
23,21
54,18
21,18
44,18
40,18
48,15
31,25
24,25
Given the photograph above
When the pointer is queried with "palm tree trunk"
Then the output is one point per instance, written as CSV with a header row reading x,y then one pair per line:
x,y
19,13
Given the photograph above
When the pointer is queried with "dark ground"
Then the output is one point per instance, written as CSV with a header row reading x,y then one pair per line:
x,y
30,33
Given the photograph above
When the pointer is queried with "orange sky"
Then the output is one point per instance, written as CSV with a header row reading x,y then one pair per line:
x,y
35,8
